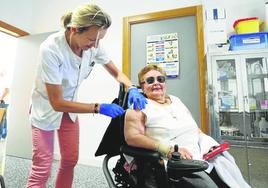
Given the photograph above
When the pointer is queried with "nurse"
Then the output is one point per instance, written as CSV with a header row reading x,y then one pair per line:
x,y
66,58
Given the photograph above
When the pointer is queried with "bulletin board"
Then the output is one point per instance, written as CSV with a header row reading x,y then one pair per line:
x,y
185,27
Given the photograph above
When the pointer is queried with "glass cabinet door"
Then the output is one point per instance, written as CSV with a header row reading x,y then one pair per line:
x,y
228,98
255,90
255,87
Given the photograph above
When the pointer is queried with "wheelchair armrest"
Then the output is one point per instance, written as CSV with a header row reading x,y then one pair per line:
x,y
178,168
141,153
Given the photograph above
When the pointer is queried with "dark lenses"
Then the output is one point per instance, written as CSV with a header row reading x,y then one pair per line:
x,y
161,79
151,80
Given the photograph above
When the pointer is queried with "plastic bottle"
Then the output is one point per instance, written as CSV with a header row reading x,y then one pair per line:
x,y
263,127
256,126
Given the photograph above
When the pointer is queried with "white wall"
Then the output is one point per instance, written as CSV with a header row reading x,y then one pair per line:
x,y
19,134
17,13
237,9
100,86
116,8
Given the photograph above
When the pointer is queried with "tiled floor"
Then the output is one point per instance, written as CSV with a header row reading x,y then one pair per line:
x,y
17,169
257,171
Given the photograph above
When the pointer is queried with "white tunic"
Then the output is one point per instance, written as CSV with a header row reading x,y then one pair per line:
x,y
57,64
172,124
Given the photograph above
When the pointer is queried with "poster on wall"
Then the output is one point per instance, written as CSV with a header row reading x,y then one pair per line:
x,y
163,50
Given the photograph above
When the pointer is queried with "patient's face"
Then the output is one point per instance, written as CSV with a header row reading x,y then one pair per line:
x,y
154,85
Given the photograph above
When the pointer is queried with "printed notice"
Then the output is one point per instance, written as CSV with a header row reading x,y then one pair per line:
x,y
163,50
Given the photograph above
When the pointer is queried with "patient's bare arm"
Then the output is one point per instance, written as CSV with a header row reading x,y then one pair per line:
x,y
134,131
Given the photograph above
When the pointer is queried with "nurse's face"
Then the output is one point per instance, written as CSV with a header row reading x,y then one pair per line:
x,y
90,38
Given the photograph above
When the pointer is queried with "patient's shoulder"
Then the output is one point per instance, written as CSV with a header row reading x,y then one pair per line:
x,y
134,115
175,99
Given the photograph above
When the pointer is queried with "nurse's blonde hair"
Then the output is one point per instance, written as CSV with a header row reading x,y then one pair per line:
x,y
85,16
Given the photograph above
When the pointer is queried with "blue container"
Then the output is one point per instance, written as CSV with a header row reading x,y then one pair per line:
x,y
249,41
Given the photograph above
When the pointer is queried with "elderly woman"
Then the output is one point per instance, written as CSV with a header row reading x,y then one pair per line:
x,y
166,121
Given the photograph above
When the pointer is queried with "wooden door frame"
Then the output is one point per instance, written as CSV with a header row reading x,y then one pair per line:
x,y
161,15
12,30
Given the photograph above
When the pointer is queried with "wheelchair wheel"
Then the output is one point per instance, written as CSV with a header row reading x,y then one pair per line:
x,y
2,182
122,178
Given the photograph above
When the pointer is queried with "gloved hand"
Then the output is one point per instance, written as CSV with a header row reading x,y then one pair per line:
x,y
135,97
111,110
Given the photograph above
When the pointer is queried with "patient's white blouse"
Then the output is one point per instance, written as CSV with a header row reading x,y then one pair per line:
x,y
172,124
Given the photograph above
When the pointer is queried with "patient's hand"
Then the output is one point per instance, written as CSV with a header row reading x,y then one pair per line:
x,y
185,154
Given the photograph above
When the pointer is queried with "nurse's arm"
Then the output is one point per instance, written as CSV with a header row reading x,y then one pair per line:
x,y
117,74
59,104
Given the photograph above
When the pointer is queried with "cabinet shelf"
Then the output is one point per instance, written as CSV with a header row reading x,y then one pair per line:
x,y
257,110
237,110
228,110
257,76
251,142
227,78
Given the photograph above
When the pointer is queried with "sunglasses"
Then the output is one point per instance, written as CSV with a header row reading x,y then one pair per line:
x,y
151,79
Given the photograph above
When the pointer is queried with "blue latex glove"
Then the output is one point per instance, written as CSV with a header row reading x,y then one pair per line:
x,y
111,110
136,98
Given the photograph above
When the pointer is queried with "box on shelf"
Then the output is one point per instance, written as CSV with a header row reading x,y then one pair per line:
x,y
249,41
227,101
246,25
216,26
218,48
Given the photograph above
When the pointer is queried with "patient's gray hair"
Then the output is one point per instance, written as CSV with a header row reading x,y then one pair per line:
x,y
148,68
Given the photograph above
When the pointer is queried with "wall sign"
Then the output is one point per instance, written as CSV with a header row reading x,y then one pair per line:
x,y
164,51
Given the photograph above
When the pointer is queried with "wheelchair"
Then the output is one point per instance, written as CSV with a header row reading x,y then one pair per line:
x,y
149,169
